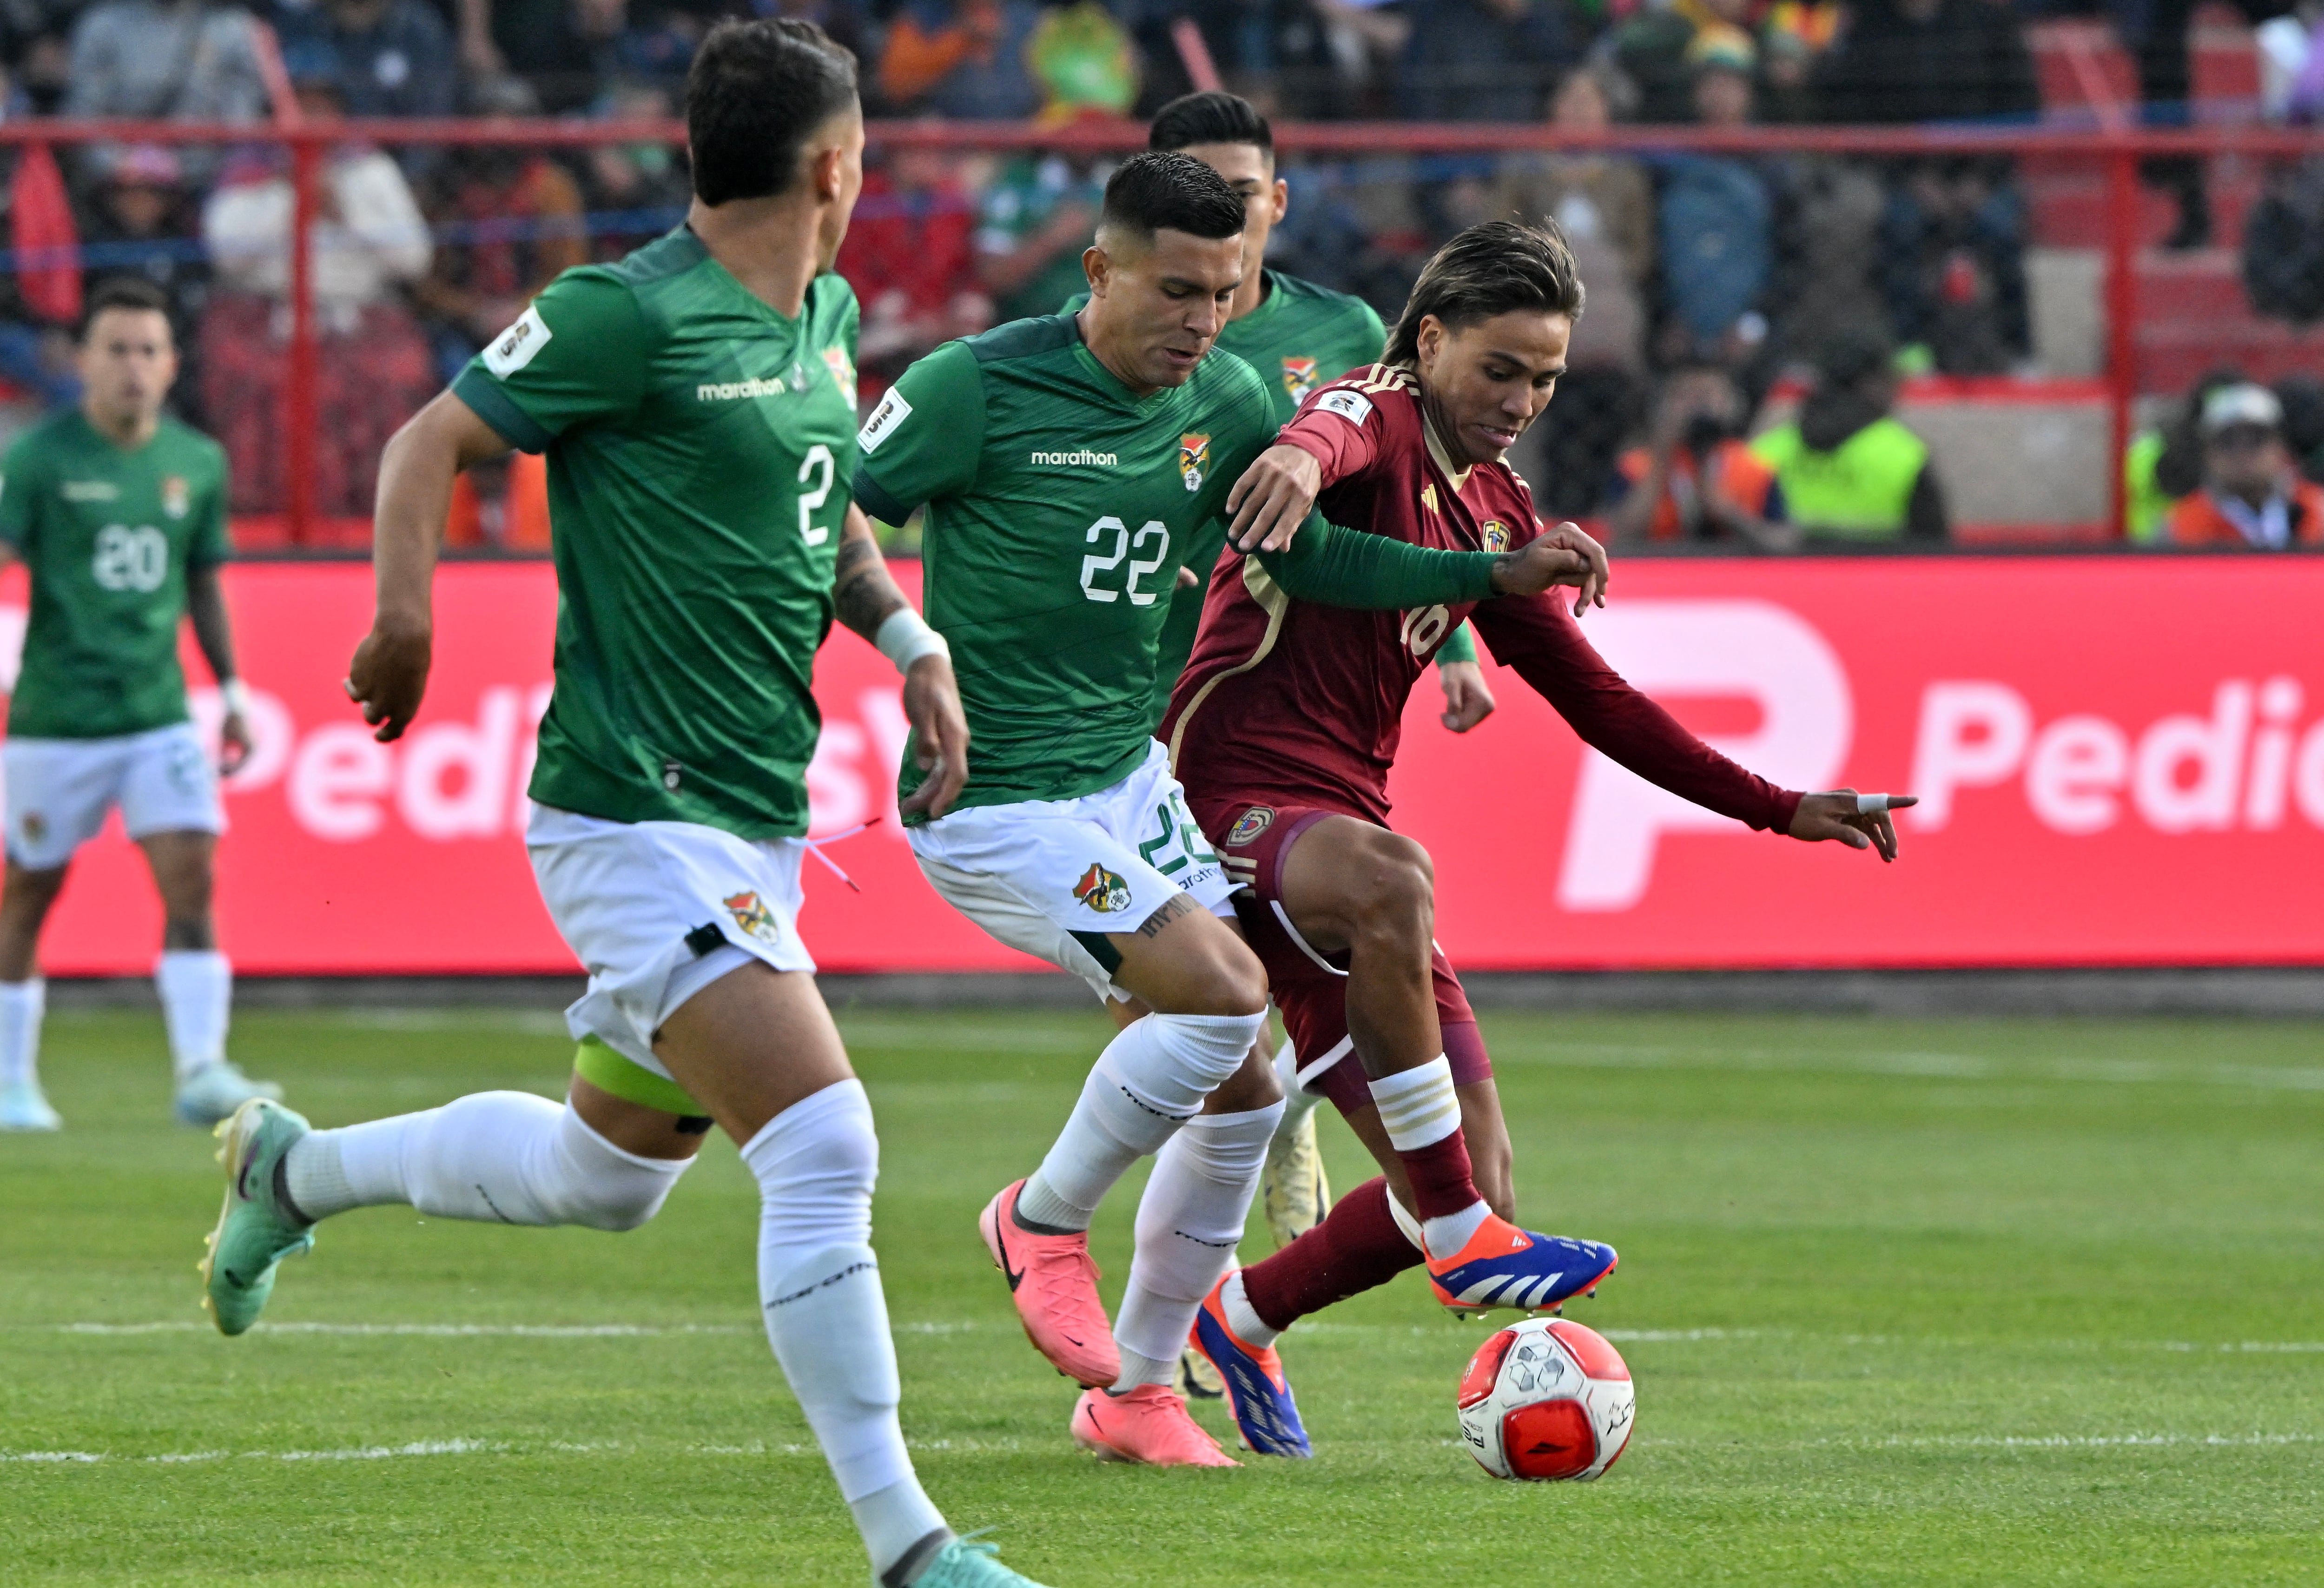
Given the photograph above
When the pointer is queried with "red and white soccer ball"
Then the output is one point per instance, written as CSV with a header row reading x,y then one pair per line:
x,y
1545,1399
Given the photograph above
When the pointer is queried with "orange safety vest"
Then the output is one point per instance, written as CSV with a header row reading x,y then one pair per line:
x,y
2196,520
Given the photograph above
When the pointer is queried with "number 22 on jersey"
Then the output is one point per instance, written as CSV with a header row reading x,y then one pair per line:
x,y
1124,544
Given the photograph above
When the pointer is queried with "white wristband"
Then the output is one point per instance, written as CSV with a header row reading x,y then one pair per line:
x,y
1871,804
236,695
905,637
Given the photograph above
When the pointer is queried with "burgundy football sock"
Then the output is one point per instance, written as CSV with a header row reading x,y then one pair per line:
x,y
1356,1246
1441,1180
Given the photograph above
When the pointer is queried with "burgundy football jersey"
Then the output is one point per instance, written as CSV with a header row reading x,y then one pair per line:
x,y
1292,703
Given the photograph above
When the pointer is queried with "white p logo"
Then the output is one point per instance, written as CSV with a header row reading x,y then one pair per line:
x,y
1751,649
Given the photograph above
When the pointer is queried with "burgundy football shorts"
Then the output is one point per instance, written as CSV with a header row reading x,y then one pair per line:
x,y
1308,986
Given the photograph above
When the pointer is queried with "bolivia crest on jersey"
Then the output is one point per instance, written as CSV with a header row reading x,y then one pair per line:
x,y
1193,458
1496,534
176,496
1249,825
1298,377
751,913
1102,891
835,360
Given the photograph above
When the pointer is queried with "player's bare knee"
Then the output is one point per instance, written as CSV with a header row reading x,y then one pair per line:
x,y
1393,888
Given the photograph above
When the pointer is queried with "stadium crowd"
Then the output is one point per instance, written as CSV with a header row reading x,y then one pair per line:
x,y
1714,279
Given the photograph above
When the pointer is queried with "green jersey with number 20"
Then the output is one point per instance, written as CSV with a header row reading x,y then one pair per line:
x,y
700,458
108,535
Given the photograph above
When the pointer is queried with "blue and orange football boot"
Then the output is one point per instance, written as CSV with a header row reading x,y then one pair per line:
x,y
1257,1393
1503,1265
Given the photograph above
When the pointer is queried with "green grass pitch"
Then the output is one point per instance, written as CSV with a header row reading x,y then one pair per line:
x,y
1926,1302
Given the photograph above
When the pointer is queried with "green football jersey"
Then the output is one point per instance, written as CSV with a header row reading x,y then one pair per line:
x,y
1300,336
700,465
108,536
1060,508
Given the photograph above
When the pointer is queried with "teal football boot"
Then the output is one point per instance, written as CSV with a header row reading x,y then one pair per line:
x,y
970,1563
256,1229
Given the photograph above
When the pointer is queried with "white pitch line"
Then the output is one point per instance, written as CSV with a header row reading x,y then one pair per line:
x,y
1960,1066
433,1447
440,1331
2091,1441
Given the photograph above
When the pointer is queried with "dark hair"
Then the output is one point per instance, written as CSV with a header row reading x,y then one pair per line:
x,y
131,292
1154,192
1215,117
756,91
1493,268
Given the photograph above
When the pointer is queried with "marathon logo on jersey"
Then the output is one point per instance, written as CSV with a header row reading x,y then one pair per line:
x,y
89,490
1496,535
893,410
1102,891
1298,377
751,913
732,391
518,346
1079,458
1353,406
1249,825
1194,457
176,496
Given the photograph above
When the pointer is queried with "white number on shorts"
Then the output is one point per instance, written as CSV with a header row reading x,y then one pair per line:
x,y
1423,629
809,531
1093,565
131,560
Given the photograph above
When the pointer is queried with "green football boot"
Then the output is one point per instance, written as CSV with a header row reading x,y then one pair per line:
x,y
970,1563
255,1231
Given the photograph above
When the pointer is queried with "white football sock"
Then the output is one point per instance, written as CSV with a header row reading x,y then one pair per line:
x,y
1419,1108
197,988
22,1004
1189,1223
504,1157
1298,1102
1150,1079
827,1316
1241,1316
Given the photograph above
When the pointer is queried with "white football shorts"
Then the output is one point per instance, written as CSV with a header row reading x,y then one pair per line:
x,y
659,910
59,790
1043,875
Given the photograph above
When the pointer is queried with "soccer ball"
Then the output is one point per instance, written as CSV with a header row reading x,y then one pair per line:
x,y
1544,1399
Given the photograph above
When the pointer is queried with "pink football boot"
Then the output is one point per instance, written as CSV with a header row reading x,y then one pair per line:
x,y
1053,1279
1148,1424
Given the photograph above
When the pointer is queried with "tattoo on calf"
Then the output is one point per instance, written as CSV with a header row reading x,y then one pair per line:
x,y
862,593
1179,904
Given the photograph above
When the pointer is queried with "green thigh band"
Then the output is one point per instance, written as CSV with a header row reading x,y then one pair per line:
x,y
631,1082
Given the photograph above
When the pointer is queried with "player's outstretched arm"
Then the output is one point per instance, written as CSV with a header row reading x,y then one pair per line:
x,y
1273,498
214,632
389,674
1561,556
867,600
1860,821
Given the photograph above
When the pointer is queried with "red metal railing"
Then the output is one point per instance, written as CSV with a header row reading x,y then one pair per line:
x,y
2112,146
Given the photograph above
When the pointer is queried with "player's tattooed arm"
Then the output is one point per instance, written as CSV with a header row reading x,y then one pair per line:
x,y
1178,904
862,591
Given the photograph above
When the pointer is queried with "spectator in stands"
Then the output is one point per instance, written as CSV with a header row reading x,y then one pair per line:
x,y
1482,60
167,60
40,302
395,56
2302,397
2165,463
372,371
2253,495
140,224
564,50
962,59
635,192
910,256
1716,219
36,45
1036,219
2283,243
1849,471
1695,478
1655,49
509,219
1953,240
1605,206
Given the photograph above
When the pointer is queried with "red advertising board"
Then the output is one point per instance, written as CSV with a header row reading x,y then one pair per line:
x,y
2122,762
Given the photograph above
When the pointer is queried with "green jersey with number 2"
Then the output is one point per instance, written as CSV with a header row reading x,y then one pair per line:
x,y
108,535
700,457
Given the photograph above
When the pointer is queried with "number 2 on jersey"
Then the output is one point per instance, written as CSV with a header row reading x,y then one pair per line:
x,y
1124,543
812,533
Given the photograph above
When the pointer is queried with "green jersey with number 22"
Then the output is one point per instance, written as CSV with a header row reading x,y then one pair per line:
x,y
700,457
